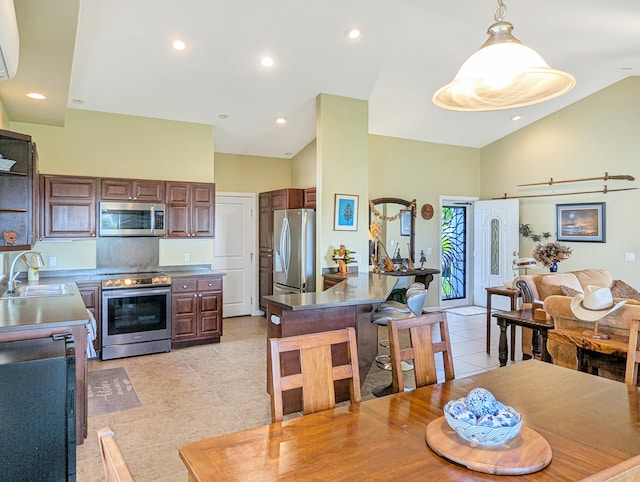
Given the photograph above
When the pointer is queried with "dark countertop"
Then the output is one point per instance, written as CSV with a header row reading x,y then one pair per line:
x,y
53,311
363,288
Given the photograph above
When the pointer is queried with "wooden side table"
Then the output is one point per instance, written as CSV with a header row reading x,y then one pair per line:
x,y
513,294
523,318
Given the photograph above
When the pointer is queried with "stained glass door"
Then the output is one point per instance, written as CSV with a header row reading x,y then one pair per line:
x,y
454,254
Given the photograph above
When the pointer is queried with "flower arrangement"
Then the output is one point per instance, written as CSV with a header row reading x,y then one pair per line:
x,y
551,253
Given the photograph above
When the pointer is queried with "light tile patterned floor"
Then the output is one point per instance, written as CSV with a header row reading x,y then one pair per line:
x,y
200,392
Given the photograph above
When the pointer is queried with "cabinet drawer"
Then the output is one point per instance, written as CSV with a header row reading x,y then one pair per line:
x,y
210,284
183,285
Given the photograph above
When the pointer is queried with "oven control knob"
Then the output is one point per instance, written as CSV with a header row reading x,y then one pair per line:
x,y
116,282
108,283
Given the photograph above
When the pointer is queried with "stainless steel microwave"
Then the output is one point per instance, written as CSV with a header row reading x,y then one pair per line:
x,y
132,219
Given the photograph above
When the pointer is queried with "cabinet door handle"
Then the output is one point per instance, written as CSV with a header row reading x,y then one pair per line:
x,y
200,295
195,295
209,284
184,287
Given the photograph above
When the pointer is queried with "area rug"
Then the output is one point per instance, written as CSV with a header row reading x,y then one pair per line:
x,y
468,310
110,390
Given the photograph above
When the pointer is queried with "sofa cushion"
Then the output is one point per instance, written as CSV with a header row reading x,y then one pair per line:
x,y
570,291
594,277
552,284
620,289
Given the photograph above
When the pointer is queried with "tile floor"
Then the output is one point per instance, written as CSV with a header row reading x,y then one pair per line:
x,y
199,392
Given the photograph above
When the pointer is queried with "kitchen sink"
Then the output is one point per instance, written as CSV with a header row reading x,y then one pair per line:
x,y
40,291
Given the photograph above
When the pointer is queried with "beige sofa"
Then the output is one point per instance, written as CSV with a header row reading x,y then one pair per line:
x,y
538,287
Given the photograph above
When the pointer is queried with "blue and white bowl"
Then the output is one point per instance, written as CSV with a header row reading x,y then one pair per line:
x,y
487,430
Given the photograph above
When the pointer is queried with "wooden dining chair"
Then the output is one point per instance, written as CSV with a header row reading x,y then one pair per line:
x,y
115,466
422,349
318,370
633,355
625,471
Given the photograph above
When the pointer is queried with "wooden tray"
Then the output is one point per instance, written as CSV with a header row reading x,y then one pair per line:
x,y
526,453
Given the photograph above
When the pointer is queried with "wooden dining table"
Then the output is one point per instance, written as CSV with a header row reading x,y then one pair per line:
x,y
589,422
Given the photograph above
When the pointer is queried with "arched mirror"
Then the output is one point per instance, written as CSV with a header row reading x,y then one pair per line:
x,y
396,238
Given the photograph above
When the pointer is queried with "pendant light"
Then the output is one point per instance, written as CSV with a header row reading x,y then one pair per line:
x,y
502,74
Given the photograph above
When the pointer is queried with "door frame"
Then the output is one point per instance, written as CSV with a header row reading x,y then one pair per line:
x,y
447,200
255,310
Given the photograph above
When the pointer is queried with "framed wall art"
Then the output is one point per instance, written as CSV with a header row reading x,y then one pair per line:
x,y
346,214
581,222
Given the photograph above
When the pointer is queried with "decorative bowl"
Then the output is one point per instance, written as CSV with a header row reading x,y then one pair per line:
x,y
481,434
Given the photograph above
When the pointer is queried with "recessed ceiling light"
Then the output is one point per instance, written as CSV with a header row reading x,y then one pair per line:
x,y
288,153
36,95
353,33
266,62
223,116
179,45
77,101
281,120
516,117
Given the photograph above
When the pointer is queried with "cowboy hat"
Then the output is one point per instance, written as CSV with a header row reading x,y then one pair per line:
x,y
594,304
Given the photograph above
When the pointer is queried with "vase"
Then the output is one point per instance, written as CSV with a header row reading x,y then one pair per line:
x,y
554,268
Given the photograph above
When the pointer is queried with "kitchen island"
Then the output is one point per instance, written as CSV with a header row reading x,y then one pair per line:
x,y
347,304
28,318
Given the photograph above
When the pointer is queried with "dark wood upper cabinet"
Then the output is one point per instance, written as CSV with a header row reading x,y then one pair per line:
x,y
136,190
190,209
69,206
310,198
17,220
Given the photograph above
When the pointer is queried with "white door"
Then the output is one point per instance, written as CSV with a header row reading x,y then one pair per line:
x,y
234,251
496,244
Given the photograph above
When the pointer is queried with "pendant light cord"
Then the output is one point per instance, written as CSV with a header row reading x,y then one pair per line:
x,y
500,12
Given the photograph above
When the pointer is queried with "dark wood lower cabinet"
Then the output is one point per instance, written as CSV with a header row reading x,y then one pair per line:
x,y
196,311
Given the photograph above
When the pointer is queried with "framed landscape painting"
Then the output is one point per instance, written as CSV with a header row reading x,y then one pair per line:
x,y
581,222
346,215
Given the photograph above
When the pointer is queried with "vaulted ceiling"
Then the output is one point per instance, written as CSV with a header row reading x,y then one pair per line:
x,y
121,61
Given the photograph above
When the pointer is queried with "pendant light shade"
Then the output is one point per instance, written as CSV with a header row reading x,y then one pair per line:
x,y
503,74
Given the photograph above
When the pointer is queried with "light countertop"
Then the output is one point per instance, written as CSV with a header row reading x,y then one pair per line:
x,y
22,313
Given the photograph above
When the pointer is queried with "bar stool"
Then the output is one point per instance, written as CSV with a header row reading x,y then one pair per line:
x,y
415,305
401,307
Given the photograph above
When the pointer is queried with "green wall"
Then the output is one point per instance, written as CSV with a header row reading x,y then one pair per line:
x,y
239,173
596,135
100,144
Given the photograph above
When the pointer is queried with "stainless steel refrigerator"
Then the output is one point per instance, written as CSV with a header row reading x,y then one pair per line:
x,y
294,251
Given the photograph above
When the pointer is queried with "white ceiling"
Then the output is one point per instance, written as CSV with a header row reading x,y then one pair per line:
x,y
123,62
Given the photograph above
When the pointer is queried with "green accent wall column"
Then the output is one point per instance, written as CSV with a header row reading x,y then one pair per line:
x,y
342,167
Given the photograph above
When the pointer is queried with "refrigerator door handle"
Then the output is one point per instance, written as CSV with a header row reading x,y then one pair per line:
x,y
285,246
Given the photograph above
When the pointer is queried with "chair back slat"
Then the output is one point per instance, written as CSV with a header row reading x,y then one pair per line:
x,y
422,349
317,380
633,355
318,370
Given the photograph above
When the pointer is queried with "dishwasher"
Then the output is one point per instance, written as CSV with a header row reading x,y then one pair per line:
x,y
37,409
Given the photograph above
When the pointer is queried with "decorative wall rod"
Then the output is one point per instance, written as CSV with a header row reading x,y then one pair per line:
x,y
607,177
604,191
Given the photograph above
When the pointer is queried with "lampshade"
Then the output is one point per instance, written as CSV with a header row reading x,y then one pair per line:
x,y
503,74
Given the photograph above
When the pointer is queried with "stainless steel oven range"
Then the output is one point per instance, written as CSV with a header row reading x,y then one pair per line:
x,y
136,314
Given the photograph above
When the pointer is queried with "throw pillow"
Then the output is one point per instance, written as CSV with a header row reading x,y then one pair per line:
x,y
620,289
569,291
549,284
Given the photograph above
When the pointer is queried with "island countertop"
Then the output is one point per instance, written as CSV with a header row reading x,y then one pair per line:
x,y
24,313
365,288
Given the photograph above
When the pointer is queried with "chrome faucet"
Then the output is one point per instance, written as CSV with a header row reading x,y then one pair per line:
x,y
11,287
